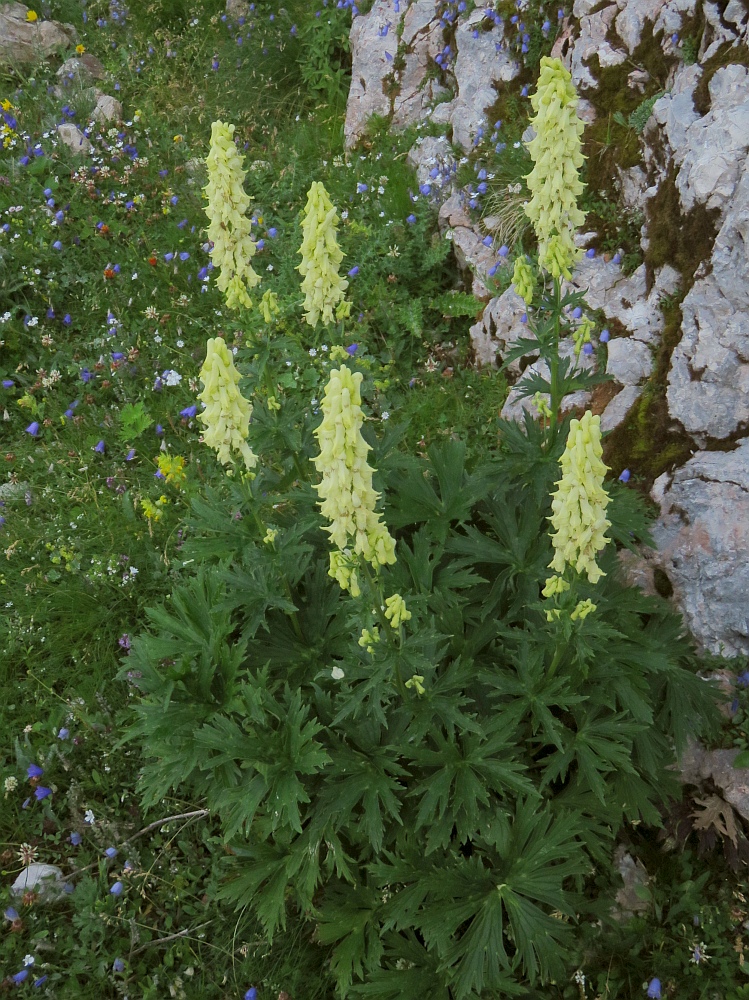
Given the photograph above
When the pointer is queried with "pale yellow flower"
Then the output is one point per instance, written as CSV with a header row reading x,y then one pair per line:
x,y
369,637
583,609
554,182
347,497
579,504
395,611
227,413
523,280
229,228
323,287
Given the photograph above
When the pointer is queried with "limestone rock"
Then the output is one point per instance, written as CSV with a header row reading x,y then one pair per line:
x,y
369,67
634,876
47,880
422,36
73,138
430,154
479,63
708,385
721,29
698,764
709,151
83,69
498,329
107,109
702,537
630,361
22,42
617,410
592,41
625,298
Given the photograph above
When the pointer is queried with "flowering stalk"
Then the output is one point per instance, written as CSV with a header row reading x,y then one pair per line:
x,y
347,497
229,227
555,186
579,504
227,413
323,287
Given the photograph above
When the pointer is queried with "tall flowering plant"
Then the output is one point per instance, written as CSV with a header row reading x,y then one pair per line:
x,y
347,497
555,186
323,287
229,227
226,417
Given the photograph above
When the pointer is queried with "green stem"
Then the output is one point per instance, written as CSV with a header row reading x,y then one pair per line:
x,y
375,591
555,400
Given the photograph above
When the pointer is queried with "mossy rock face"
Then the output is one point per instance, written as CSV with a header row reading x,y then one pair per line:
x,y
726,55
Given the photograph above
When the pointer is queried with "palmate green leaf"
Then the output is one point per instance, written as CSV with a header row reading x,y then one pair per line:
x,y
522,689
349,915
411,973
260,882
599,747
415,497
630,516
441,705
362,784
463,772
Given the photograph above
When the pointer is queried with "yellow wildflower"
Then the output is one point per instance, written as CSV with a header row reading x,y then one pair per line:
x,y
395,610
583,609
80,49
523,280
416,682
579,504
178,138
270,536
554,182
542,407
172,468
322,285
227,413
32,16
269,305
343,569
581,335
229,228
6,105
153,510
555,585
369,638
347,497
272,403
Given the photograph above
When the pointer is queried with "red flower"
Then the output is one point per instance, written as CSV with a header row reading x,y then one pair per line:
x,y
108,272
152,261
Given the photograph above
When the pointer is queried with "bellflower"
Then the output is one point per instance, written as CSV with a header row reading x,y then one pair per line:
x,y
579,504
347,497
554,182
227,413
229,228
323,287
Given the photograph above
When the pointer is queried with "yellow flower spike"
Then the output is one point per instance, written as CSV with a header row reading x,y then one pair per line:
x,y
583,609
542,407
347,497
269,306
227,413
416,682
396,611
579,504
581,335
523,280
229,228
368,638
323,287
555,585
554,183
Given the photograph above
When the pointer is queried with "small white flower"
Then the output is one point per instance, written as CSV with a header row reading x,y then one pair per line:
x,y
337,674
313,352
89,817
386,415
28,960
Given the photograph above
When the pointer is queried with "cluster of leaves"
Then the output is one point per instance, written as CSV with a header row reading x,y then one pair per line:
x,y
441,842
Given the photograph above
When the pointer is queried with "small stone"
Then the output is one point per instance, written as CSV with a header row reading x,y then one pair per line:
x,y
47,880
73,138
